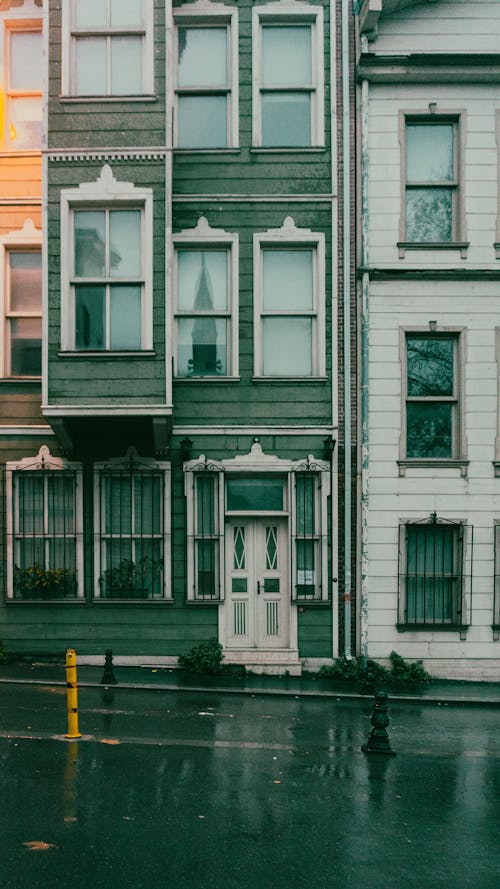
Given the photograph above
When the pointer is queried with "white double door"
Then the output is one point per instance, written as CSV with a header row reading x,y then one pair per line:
x,y
257,598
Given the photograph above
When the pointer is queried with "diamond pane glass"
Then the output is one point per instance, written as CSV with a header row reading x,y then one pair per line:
x,y
272,548
239,548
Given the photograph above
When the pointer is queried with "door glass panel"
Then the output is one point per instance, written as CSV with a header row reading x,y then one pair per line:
x,y
271,585
271,548
239,585
239,548
254,493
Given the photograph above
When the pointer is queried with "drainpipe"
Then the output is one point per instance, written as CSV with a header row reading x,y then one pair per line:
x,y
346,264
365,317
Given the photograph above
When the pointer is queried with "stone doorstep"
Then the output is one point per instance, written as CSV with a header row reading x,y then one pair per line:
x,y
273,662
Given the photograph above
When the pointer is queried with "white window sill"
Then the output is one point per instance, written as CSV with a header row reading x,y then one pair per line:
x,y
234,149
206,379
106,353
433,463
403,246
17,380
306,149
97,600
70,100
312,379
26,152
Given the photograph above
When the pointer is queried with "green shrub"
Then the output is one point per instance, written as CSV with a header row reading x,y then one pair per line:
x,y
5,656
375,673
203,658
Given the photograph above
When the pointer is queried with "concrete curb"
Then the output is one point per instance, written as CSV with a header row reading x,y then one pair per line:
x,y
436,700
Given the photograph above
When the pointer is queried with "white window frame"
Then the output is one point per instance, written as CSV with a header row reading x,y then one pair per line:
x,y
17,26
203,237
257,463
292,237
27,239
70,36
109,194
205,14
139,463
290,12
44,462
459,440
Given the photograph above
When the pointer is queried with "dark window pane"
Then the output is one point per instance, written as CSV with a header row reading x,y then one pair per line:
x,y
26,347
304,494
428,430
90,243
432,573
254,493
202,346
205,567
429,214
205,505
286,119
430,366
90,317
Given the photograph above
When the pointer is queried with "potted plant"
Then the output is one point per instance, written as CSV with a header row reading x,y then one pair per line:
x,y
131,580
36,582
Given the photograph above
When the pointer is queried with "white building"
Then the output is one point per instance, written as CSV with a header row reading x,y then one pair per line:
x,y
428,78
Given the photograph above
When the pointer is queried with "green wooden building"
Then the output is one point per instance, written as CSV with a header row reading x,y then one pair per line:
x,y
189,484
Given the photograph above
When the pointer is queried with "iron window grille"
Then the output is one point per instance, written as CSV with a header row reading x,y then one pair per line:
x,y
43,537
434,590
308,539
131,543
205,543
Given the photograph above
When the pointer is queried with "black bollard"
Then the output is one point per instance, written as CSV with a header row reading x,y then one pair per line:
x,y
378,739
108,677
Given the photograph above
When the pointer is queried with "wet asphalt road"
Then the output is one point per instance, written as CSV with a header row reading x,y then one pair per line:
x,y
209,791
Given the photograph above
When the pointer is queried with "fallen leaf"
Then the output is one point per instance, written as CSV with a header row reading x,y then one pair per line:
x,y
277,782
109,741
39,846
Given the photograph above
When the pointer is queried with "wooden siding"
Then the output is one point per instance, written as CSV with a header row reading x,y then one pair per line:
x,y
99,124
21,177
136,380
461,26
479,191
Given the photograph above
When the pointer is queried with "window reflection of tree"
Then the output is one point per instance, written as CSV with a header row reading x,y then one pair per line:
x,y
204,335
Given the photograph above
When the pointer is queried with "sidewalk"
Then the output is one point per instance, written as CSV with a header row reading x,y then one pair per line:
x,y
437,692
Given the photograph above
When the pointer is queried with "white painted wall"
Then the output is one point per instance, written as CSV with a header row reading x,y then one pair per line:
x,y
470,26
466,26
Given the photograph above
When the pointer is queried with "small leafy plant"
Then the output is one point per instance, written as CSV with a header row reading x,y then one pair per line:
x,y
38,582
206,658
130,578
5,656
400,671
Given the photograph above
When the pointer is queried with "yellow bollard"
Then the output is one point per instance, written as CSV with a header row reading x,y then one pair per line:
x,y
72,694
